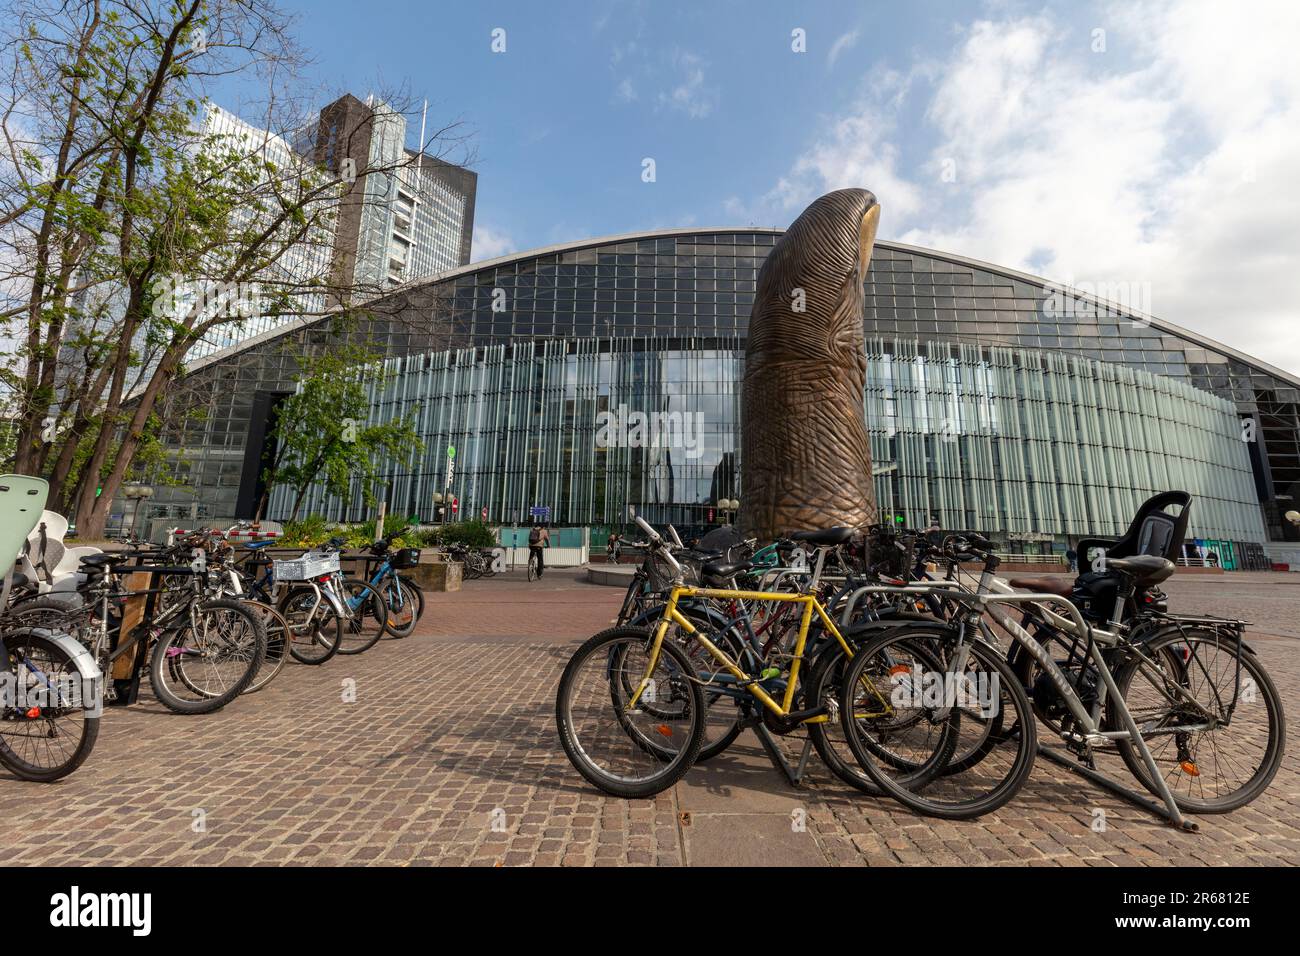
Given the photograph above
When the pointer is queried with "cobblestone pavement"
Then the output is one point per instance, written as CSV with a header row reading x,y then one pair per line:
x,y
449,756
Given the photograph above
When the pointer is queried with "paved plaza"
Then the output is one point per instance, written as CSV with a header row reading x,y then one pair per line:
x,y
441,750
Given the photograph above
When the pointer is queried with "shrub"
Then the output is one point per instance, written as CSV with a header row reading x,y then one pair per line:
x,y
472,534
307,532
315,530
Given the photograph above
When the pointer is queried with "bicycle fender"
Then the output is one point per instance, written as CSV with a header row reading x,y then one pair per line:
x,y
335,602
87,669
1176,627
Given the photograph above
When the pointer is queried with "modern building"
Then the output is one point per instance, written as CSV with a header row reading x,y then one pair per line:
x,y
411,217
403,215
590,376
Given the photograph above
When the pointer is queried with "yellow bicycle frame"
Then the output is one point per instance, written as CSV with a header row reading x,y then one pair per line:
x,y
673,616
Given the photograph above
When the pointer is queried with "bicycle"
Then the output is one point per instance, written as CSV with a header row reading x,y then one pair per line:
x,y
52,693
314,630
403,598
202,652
358,609
1084,699
650,690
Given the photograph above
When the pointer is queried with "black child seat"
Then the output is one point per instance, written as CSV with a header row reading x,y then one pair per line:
x,y
1154,531
1146,553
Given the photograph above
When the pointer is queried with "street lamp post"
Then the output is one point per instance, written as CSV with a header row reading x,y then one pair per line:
x,y
139,494
728,507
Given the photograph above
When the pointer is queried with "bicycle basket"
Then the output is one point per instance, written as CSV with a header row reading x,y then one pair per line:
x,y
660,573
405,558
307,567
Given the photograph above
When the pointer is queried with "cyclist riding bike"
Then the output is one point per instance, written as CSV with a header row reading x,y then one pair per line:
x,y
539,539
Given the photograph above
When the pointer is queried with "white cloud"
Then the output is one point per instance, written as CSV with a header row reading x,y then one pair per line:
x,y
490,243
856,149
691,95
1173,166
846,41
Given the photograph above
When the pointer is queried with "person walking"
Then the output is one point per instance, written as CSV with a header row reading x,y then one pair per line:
x,y
539,539
1072,558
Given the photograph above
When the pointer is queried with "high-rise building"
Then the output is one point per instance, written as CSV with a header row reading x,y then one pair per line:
x,y
403,214
410,217
304,263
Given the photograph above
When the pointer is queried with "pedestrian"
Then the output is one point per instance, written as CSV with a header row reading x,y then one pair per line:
x,y
611,548
1072,558
539,539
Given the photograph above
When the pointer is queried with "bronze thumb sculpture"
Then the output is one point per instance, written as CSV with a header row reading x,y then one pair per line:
x,y
806,462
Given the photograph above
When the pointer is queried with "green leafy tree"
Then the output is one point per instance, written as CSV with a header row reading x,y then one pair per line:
x,y
320,432
130,231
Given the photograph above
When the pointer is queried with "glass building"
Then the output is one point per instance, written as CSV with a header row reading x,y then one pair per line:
x,y
1055,420
1040,447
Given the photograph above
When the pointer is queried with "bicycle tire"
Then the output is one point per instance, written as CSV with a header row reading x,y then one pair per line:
x,y
368,621
279,641
27,769
416,592
169,659
574,741
1162,645
911,791
710,746
398,599
316,639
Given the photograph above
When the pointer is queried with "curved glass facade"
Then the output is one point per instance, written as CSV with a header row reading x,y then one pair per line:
x,y
666,296
1031,446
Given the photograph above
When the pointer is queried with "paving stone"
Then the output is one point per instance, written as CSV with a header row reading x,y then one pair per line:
x,y
449,757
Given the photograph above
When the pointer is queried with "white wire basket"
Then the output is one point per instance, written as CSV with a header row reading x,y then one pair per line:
x,y
307,567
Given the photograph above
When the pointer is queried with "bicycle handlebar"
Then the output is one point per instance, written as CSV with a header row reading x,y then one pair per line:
x,y
657,542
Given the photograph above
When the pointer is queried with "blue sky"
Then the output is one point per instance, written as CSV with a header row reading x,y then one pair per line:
x,y
1146,147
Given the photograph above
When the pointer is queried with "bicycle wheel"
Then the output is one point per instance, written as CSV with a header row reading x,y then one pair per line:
x,y
367,620
278,642
208,659
45,731
59,611
316,631
400,606
625,750
903,719
722,703
533,573
1210,770
416,593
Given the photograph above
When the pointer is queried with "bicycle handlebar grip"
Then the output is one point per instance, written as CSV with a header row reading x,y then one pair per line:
x,y
651,533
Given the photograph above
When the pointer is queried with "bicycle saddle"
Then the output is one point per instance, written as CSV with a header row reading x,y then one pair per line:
x,y
257,545
1144,568
828,536
1061,587
102,560
724,569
